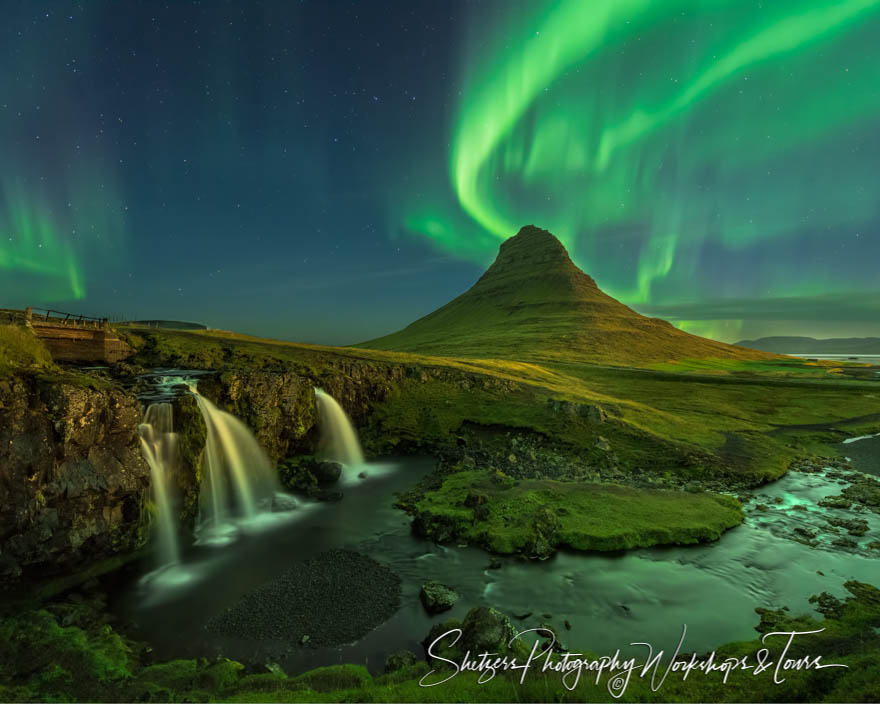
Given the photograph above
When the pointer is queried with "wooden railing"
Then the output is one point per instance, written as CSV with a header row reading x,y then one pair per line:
x,y
57,317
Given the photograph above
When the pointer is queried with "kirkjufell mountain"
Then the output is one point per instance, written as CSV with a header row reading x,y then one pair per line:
x,y
534,304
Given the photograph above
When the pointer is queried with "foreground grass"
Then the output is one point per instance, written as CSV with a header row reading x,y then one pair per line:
x,y
66,653
536,516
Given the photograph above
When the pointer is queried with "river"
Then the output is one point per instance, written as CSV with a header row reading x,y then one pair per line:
x,y
609,600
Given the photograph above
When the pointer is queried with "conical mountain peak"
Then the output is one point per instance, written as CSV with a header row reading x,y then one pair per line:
x,y
531,246
534,304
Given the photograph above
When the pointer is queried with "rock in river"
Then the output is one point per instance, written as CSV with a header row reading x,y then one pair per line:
x,y
437,597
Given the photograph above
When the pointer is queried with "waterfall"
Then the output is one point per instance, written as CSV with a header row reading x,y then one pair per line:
x,y
339,441
159,445
238,479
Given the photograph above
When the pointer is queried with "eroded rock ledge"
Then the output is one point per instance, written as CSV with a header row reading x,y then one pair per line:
x,y
73,483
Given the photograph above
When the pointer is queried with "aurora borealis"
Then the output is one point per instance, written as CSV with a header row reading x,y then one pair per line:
x,y
685,151
708,161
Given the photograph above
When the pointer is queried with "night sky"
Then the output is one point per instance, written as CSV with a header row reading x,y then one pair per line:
x,y
329,171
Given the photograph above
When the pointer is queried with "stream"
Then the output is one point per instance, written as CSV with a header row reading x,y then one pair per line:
x,y
608,600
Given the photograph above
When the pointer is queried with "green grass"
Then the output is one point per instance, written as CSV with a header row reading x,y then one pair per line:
x,y
713,421
529,516
21,350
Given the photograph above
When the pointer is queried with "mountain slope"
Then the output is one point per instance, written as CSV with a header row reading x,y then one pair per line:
x,y
810,345
534,304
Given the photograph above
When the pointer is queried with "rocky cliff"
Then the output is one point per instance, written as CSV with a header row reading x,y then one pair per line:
x,y
73,484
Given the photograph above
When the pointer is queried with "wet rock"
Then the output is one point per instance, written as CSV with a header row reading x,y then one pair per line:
x,y
485,629
327,472
864,490
522,615
275,669
399,660
835,502
362,475
494,564
278,406
283,502
853,526
846,543
437,597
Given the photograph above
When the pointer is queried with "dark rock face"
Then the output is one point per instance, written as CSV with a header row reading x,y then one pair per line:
x,y
327,472
191,435
278,406
437,598
73,480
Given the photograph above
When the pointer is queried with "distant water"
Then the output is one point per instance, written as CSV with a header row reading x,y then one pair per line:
x,y
863,358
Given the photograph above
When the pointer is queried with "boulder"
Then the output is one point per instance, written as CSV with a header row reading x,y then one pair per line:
x,y
327,472
485,629
399,660
437,597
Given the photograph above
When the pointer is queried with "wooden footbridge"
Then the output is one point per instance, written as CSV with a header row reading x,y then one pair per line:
x,y
76,338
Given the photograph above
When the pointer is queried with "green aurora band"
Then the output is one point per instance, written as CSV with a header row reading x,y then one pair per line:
x,y
46,251
31,245
642,132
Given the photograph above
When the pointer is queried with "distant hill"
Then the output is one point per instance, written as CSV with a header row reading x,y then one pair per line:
x,y
534,304
810,345
168,324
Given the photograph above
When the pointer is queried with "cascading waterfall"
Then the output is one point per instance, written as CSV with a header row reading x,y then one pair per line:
x,y
339,441
159,445
238,480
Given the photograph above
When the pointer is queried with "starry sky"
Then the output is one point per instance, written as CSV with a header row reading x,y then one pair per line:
x,y
328,171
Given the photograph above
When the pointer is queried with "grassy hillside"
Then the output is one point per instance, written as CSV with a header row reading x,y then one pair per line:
x,y
21,349
722,418
534,304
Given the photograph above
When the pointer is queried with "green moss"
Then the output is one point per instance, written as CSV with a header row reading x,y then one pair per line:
x,y
191,434
536,516
334,677
54,663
